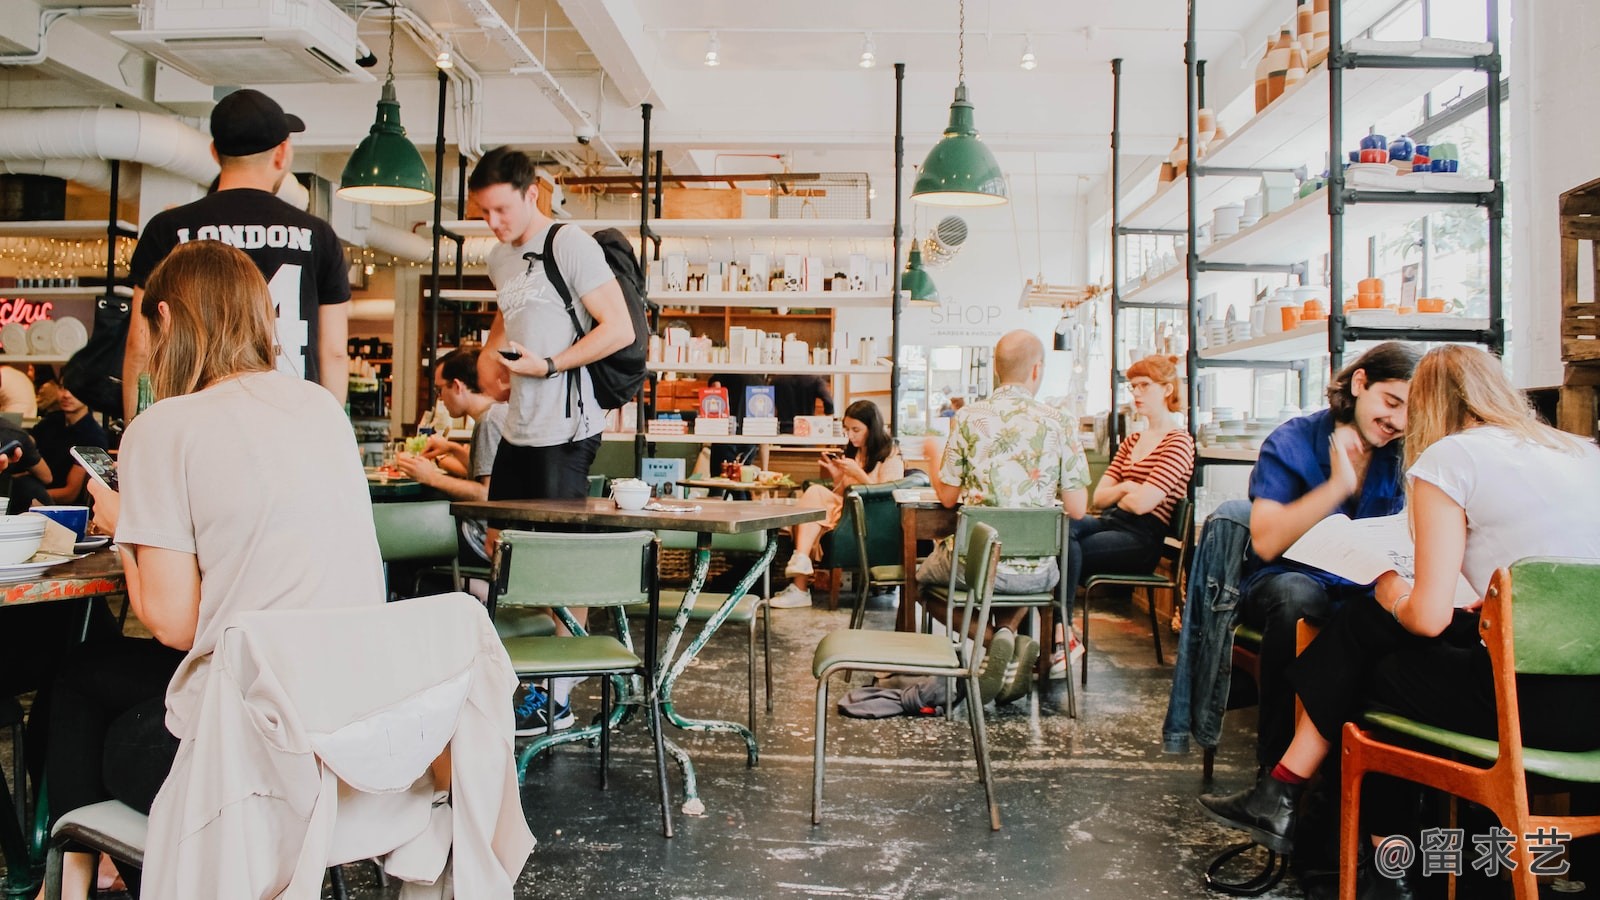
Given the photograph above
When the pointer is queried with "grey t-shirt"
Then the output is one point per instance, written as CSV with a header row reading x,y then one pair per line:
x,y
480,464
542,414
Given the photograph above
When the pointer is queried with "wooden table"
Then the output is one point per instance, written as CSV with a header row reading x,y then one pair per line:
x,y
705,518
920,520
95,575
728,484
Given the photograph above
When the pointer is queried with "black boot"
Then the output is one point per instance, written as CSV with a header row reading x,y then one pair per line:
x,y
1374,885
1266,811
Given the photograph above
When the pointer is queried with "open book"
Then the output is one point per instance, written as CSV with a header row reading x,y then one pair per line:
x,y
1361,550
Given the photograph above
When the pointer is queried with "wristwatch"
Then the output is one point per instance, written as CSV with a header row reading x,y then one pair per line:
x,y
550,368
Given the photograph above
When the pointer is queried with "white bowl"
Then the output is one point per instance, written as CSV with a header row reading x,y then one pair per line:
x,y
19,540
630,496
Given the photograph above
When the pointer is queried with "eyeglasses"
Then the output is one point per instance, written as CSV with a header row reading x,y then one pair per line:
x,y
1140,387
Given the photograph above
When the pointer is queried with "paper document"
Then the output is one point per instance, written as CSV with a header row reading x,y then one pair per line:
x,y
1361,550
915,495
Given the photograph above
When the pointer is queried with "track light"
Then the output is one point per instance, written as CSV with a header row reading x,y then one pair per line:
x,y
444,60
1029,63
712,46
869,52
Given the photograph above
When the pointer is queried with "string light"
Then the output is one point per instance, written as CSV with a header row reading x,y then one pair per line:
x,y
712,46
869,57
1029,63
444,60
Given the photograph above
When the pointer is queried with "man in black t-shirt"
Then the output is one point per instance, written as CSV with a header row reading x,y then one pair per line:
x,y
298,253
70,425
797,395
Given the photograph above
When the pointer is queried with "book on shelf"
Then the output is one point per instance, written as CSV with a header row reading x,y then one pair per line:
x,y
667,426
760,427
760,402
1362,550
713,426
713,403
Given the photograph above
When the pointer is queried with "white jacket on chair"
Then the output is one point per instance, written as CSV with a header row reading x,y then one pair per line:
x,y
312,747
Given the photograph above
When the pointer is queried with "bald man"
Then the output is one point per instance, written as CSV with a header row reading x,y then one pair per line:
x,y
1011,450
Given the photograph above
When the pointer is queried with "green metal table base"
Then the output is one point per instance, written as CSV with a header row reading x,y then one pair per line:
x,y
668,671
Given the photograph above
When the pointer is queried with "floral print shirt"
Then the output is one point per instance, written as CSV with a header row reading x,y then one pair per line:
x,y
1012,450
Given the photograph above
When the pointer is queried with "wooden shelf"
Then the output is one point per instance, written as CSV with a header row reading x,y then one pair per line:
x,y
1300,230
1311,339
89,292
767,369
813,299
787,440
66,230
51,358
1228,454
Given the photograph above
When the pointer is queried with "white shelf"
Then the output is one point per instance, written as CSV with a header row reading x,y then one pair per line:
x,y
767,369
787,440
66,230
714,228
1228,454
815,299
51,358
65,293
1311,339
1170,288
1293,131
1169,208
1300,231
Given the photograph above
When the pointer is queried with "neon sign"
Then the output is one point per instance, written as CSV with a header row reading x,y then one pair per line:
x,y
25,311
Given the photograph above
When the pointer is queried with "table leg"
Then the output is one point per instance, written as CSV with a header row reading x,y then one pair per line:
x,y
673,667
905,618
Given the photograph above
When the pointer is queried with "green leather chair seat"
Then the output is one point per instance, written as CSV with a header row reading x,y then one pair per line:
x,y
1582,767
704,606
535,656
523,621
887,573
883,649
1157,580
1249,637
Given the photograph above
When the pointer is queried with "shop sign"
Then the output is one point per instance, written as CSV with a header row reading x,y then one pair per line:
x,y
957,322
24,311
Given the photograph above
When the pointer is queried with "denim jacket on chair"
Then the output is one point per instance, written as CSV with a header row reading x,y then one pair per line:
x,y
1205,647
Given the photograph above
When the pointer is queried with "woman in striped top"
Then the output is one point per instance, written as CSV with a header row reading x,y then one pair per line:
x,y
1148,475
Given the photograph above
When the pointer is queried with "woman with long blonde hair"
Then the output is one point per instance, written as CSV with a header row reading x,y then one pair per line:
x,y
1488,484
240,489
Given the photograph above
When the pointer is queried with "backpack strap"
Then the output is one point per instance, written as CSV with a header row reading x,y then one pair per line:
x,y
553,273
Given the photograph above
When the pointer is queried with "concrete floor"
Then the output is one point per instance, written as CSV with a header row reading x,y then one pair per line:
x,y
1090,807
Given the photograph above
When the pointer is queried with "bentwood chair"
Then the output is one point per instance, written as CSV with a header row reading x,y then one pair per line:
x,y
749,608
1547,627
915,653
554,571
1176,545
1026,533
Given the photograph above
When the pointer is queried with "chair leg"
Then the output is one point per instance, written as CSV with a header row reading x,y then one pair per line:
x,y
766,649
833,589
605,730
1208,764
1155,630
981,744
750,675
1351,768
821,734
1084,673
336,881
651,701
52,873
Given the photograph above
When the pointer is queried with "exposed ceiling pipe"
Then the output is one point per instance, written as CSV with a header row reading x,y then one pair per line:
x,y
49,17
469,84
524,62
91,173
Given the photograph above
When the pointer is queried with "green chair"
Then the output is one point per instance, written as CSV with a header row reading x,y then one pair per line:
x,y
868,541
914,653
551,572
1180,533
749,607
420,531
1026,533
1548,628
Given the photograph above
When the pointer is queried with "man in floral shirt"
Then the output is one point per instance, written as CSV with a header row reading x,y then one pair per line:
x,y
1014,451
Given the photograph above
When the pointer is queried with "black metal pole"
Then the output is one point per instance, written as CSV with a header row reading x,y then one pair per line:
x,y
1336,186
1191,255
112,232
461,212
1497,324
1113,432
644,270
1200,81
438,232
896,306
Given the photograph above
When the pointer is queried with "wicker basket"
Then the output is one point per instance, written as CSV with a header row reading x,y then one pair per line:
x,y
676,566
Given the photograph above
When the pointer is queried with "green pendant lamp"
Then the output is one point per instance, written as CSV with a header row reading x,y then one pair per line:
x,y
960,170
386,169
917,283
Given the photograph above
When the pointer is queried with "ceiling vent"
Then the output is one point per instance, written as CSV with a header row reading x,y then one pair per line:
x,y
250,41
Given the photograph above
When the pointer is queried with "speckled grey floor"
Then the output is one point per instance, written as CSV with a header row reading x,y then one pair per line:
x,y
1090,807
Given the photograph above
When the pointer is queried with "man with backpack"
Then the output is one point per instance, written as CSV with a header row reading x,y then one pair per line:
x,y
537,358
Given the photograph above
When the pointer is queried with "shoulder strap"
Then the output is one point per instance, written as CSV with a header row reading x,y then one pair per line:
x,y
553,273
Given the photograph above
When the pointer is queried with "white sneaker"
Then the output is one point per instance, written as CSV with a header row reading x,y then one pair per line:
x,y
790,597
798,565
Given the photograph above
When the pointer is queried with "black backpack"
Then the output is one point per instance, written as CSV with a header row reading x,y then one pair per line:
x,y
618,377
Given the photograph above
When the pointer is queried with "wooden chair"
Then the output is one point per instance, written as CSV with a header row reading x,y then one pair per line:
x,y
914,653
1549,628
1180,532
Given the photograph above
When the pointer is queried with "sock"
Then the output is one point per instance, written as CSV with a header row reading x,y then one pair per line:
x,y
1281,772
561,689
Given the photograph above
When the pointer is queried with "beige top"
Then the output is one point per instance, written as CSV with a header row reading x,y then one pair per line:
x,y
259,478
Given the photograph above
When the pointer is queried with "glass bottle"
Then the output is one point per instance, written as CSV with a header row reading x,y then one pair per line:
x,y
147,394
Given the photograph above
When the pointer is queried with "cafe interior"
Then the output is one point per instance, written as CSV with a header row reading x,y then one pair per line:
x,y
833,215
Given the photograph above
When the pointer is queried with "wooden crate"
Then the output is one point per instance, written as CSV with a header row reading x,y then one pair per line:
x,y
702,203
1578,410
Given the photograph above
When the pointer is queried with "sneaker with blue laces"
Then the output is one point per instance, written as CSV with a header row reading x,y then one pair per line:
x,y
533,712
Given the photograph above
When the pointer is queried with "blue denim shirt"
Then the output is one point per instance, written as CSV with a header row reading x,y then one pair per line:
x,y
1205,647
1294,461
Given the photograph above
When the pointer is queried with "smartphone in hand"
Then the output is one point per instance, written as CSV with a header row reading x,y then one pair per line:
x,y
98,463
10,446
508,353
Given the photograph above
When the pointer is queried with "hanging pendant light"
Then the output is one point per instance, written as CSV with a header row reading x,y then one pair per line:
x,y
960,170
386,169
917,283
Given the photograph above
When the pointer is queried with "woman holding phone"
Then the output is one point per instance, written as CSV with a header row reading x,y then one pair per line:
x,y
241,490
870,458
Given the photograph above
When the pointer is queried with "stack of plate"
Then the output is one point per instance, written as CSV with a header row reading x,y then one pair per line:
x,y
14,337
20,537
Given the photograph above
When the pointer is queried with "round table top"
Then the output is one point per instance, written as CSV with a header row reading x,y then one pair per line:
x,y
728,484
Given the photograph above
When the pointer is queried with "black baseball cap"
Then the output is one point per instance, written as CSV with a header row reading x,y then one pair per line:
x,y
248,121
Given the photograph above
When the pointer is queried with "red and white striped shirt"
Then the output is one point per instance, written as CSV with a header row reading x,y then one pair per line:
x,y
1168,467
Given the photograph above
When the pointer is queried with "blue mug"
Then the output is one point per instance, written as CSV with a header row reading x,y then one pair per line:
x,y
73,517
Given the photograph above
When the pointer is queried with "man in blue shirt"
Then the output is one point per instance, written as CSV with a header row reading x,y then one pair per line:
x,y
1344,459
